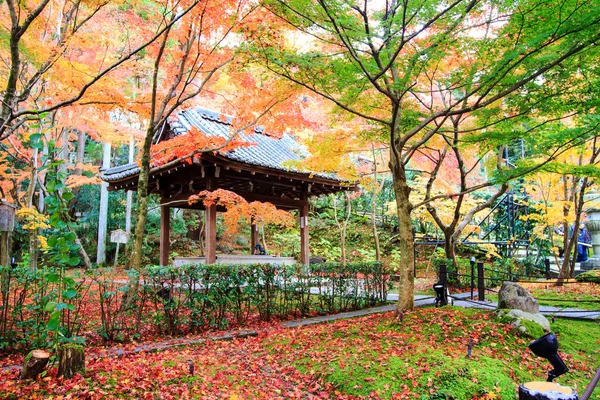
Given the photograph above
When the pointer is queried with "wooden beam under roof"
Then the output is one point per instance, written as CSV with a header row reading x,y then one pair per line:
x,y
181,201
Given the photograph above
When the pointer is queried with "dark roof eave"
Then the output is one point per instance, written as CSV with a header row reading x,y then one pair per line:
x,y
132,171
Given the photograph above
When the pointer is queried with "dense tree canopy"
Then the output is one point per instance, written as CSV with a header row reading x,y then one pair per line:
x,y
408,67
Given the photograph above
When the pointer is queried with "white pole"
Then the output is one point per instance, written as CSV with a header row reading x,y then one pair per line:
x,y
103,214
129,192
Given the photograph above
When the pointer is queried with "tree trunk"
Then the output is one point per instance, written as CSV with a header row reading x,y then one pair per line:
x,y
71,360
62,169
450,247
87,263
374,208
374,224
405,271
34,364
129,206
140,225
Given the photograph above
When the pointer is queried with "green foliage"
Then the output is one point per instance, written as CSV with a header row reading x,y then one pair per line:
x,y
288,242
422,357
40,307
196,297
589,276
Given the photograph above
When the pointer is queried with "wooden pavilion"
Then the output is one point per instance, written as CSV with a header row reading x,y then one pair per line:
x,y
256,173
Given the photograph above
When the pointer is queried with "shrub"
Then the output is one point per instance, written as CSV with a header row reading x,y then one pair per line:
x,y
589,276
202,296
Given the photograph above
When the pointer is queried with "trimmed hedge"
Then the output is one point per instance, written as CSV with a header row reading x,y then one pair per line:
x,y
193,297
44,306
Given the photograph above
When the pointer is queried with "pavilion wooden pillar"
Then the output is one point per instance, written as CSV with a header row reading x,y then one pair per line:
x,y
165,227
210,229
304,250
253,236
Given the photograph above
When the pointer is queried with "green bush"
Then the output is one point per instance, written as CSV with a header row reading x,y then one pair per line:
x,y
195,297
39,307
43,306
589,276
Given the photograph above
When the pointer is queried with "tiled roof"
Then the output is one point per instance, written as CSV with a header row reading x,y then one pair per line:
x,y
120,172
267,151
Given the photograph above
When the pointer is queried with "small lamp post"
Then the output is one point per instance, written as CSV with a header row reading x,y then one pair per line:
x,y
441,292
7,225
547,347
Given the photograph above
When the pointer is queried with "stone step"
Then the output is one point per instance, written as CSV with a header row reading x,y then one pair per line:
x,y
554,269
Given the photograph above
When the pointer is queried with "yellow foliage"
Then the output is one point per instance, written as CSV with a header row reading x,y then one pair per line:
x,y
445,207
74,181
43,242
32,219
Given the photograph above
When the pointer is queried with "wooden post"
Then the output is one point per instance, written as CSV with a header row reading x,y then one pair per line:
x,y
443,274
116,256
546,391
253,236
480,282
129,205
210,229
5,249
165,226
304,249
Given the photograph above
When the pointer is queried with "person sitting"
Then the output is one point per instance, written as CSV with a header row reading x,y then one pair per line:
x,y
259,250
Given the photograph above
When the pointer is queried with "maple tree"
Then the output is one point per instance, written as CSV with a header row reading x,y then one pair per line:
x,y
372,60
560,190
238,209
191,61
55,59
58,55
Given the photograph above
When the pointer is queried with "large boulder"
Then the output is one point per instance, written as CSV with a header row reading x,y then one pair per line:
x,y
241,240
514,297
225,248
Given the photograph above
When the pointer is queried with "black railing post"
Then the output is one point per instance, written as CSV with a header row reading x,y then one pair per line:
x,y
414,258
443,275
547,264
472,276
480,282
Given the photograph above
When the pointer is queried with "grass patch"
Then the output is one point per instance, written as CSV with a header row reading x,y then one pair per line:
x,y
425,356
579,338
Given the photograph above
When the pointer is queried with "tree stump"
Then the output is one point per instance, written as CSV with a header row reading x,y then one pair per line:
x,y
34,364
71,360
546,391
